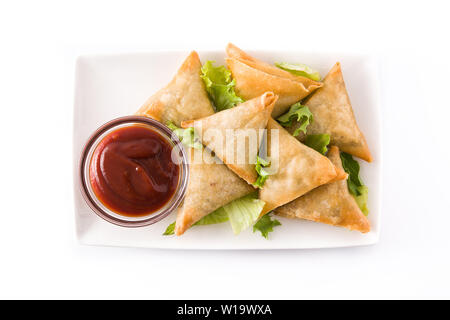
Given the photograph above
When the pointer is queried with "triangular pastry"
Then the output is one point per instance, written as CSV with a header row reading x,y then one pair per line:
x,y
211,185
299,168
184,98
331,204
333,114
254,77
235,134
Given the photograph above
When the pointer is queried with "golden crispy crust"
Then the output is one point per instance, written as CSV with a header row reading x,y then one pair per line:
x,y
236,53
211,185
254,77
340,174
183,98
331,204
246,119
300,169
187,124
333,114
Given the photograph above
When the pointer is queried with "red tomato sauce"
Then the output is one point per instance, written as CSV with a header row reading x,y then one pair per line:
x,y
132,172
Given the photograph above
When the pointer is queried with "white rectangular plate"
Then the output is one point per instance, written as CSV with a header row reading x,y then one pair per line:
x,y
112,86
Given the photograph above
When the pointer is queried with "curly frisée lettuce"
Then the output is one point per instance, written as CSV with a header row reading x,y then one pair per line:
x,y
355,185
318,142
265,225
299,69
297,112
263,174
186,136
219,86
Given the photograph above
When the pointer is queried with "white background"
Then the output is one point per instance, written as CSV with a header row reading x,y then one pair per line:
x,y
39,253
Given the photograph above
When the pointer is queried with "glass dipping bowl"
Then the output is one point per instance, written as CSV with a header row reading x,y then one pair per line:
x,y
178,155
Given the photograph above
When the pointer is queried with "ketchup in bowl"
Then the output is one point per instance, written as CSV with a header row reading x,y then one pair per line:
x,y
133,171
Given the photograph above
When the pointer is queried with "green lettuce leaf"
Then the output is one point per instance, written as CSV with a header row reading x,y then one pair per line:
x,y
219,86
244,212
299,69
318,142
186,136
266,225
263,174
217,216
297,112
170,230
351,166
355,185
361,200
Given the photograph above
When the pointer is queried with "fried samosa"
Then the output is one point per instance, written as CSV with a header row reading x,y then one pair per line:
x,y
184,98
333,115
331,204
211,185
254,77
299,169
235,134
